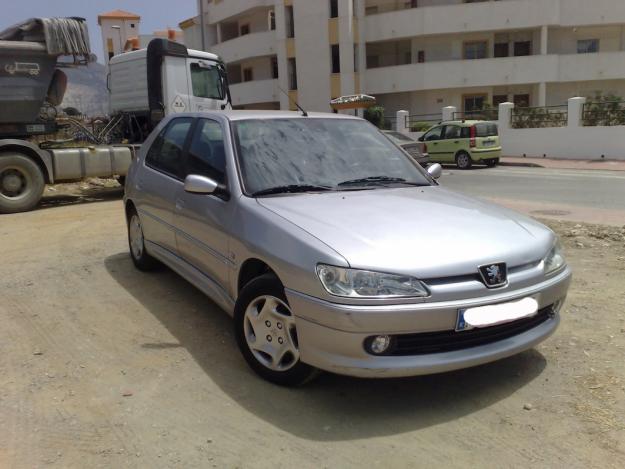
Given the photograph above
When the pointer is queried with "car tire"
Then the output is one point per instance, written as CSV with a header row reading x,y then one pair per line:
x,y
265,332
492,162
136,244
463,160
21,183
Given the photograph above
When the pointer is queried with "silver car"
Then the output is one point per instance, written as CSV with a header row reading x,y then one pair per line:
x,y
334,250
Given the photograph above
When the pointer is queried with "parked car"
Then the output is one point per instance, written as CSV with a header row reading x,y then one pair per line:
x,y
334,250
463,142
411,146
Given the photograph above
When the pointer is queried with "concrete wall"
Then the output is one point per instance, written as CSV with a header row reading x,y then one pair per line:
x,y
573,141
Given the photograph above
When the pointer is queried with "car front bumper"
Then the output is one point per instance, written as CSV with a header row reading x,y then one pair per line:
x,y
331,336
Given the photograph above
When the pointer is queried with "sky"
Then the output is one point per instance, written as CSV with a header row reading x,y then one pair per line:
x,y
155,14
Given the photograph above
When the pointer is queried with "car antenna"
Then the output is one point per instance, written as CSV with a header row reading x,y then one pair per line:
x,y
304,113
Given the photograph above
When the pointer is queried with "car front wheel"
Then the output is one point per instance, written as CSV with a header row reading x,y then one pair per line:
x,y
266,333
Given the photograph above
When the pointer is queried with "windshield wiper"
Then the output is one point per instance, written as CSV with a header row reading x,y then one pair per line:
x,y
373,180
291,188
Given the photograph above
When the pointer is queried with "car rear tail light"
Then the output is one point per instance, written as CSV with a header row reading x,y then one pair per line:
x,y
472,141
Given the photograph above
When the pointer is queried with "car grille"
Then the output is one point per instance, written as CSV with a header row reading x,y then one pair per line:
x,y
447,341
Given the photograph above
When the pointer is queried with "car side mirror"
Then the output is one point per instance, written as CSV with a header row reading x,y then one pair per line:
x,y
195,184
435,170
421,138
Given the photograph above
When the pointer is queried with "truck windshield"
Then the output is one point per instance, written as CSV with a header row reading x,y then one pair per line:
x,y
334,154
206,82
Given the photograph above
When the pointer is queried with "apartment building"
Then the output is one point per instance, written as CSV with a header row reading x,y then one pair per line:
x,y
418,55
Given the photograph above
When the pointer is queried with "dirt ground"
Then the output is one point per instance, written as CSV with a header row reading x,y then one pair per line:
x,y
104,366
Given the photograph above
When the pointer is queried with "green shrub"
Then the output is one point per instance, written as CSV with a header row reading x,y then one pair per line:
x,y
375,115
420,126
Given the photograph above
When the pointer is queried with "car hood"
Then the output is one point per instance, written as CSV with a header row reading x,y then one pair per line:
x,y
429,232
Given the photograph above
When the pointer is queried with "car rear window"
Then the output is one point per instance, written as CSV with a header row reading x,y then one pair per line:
x,y
486,129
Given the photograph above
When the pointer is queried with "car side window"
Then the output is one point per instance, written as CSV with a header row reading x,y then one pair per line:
x,y
465,132
165,154
433,134
452,131
207,155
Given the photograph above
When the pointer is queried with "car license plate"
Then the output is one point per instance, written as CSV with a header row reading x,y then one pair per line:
x,y
491,315
489,143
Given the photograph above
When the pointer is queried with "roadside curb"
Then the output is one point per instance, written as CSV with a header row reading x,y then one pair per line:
x,y
523,165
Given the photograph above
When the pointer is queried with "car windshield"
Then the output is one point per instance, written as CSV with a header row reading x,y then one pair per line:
x,y
282,155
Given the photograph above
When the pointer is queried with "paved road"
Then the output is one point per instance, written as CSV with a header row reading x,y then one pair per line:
x,y
577,195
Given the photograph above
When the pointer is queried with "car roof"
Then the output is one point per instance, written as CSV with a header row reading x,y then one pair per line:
x,y
235,115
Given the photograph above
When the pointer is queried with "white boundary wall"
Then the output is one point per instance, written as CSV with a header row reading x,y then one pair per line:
x,y
574,141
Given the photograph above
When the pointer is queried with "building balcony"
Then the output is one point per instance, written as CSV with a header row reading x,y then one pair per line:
x,y
495,72
251,92
490,16
226,9
246,47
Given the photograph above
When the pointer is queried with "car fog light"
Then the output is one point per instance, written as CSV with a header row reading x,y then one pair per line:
x,y
379,344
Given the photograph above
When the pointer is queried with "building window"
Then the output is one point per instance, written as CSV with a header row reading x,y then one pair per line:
x,y
521,100
373,61
502,49
290,23
522,48
421,56
474,102
336,58
334,8
586,46
476,50
274,67
292,71
499,98
248,74
245,29
356,54
132,25
272,21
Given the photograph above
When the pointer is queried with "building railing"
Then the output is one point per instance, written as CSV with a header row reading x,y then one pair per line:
x,y
422,122
537,117
482,115
605,113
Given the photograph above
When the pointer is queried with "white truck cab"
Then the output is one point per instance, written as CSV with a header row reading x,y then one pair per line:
x,y
166,78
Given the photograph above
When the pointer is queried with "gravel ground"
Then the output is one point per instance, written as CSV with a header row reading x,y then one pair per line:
x,y
105,366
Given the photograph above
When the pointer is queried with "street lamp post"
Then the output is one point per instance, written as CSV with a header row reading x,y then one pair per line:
x,y
119,32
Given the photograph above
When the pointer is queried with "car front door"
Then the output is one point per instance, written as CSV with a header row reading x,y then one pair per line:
x,y
450,143
203,220
432,139
159,182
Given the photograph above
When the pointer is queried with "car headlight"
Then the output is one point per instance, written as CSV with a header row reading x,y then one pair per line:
x,y
356,283
555,259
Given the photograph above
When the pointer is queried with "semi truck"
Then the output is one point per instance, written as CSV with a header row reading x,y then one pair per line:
x,y
144,86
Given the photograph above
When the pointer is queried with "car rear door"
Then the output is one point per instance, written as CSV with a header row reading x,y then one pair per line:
x,y
203,221
160,180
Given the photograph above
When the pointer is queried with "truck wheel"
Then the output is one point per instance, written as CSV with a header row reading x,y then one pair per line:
x,y
21,183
